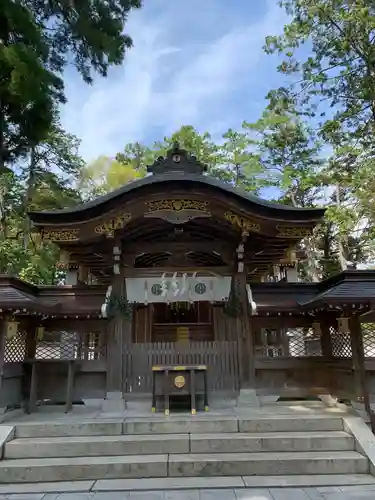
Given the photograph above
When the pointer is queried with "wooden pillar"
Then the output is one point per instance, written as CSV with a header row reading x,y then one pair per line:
x,y
27,387
31,340
326,338
117,330
83,274
245,336
245,345
359,368
2,360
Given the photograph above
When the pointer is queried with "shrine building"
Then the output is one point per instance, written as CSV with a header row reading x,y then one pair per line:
x,y
182,269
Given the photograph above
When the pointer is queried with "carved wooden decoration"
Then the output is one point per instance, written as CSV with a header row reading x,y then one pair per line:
x,y
60,235
242,222
108,228
177,211
293,232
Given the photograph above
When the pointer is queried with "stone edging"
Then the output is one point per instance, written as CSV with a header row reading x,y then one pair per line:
x,y
364,438
7,433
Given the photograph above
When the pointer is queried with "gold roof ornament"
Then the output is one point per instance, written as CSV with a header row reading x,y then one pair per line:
x,y
290,259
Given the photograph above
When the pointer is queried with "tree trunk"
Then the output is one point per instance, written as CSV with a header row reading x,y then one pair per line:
x,y
28,197
2,173
340,246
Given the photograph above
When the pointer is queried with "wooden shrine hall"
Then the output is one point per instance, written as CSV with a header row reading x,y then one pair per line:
x,y
179,268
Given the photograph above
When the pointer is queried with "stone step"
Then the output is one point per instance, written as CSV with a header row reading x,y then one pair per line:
x,y
288,423
267,464
71,428
175,424
271,441
222,482
178,424
91,446
188,465
27,490
82,468
147,444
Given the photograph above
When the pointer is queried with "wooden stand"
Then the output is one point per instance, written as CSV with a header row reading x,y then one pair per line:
x,y
179,380
33,394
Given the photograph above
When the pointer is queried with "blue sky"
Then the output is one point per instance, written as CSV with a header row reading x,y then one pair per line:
x,y
194,62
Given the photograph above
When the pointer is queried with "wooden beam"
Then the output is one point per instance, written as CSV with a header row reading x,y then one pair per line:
x,y
177,246
157,271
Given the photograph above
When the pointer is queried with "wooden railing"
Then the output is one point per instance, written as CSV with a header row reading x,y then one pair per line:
x,y
221,359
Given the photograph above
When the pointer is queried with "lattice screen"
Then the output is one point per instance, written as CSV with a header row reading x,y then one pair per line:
x,y
92,346
303,342
295,342
368,335
71,345
15,348
341,344
57,345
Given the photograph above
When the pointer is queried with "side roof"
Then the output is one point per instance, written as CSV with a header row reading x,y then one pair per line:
x,y
349,288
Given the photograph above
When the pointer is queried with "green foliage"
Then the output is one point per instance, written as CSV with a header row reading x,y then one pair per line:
x,y
43,182
339,71
232,160
288,152
137,156
105,174
335,88
37,40
243,164
199,145
118,305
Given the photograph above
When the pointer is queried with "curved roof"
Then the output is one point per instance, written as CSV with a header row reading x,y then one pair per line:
x,y
71,214
176,168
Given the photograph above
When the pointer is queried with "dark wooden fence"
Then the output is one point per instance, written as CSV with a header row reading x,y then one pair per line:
x,y
221,359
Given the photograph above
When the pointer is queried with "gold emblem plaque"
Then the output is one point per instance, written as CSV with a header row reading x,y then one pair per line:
x,y
179,381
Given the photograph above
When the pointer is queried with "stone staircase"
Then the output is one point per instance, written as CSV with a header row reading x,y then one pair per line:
x,y
185,447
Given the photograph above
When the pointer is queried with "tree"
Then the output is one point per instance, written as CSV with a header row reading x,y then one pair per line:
x,y
28,87
335,82
43,181
52,166
339,73
137,156
230,161
104,175
34,262
199,145
289,152
242,165
37,40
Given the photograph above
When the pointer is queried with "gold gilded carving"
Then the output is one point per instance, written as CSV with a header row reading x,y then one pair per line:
x,y
177,211
60,234
293,232
176,205
179,381
242,222
108,228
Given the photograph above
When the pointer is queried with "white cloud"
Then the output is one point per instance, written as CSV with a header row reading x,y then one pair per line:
x,y
166,81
